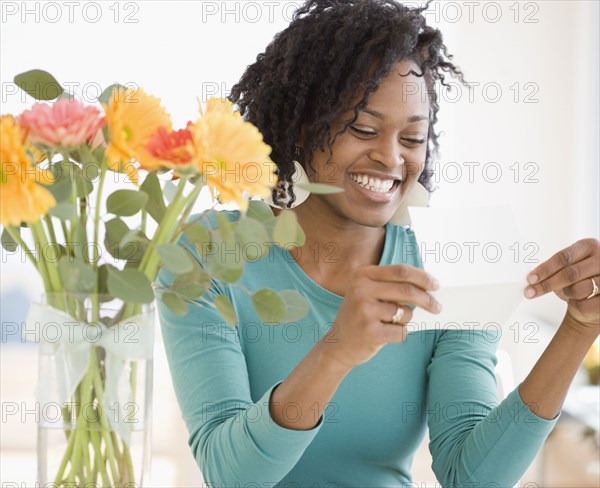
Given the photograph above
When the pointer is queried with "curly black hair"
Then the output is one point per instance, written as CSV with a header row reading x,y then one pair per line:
x,y
332,52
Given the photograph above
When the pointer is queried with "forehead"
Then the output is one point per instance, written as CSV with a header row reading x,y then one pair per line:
x,y
406,94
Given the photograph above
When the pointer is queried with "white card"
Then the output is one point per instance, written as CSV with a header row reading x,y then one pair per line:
x,y
477,256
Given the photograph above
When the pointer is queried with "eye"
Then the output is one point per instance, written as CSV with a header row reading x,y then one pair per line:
x,y
416,142
364,133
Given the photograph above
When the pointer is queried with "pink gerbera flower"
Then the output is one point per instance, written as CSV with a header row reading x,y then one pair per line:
x,y
66,123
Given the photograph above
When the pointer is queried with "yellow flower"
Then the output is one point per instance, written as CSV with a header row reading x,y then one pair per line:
x,y
22,198
132,117
231,155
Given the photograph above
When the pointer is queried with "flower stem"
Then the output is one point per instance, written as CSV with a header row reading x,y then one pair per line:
x,y
12,231
97,215
50,263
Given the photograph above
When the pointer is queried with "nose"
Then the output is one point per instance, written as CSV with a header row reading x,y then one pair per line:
x,y
388,152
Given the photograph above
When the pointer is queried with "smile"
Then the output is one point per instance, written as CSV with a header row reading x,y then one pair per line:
x,y
380,190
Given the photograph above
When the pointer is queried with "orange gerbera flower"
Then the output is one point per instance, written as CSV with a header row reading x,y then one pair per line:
x,y
172,149
133,117
22,198
231,155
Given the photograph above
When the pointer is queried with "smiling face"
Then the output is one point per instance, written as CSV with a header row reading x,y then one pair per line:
x,y
380,157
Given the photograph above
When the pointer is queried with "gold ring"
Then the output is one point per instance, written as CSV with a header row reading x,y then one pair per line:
x,y
594,289
398,315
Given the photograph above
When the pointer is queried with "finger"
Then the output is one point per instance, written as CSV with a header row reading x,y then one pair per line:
x,y
582,289
387,310
567,276
405,293
401,273
566,257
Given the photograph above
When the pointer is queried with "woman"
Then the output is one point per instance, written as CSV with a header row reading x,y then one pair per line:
x,y
343,396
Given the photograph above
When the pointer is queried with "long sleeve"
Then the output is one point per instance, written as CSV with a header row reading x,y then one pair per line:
x,y
234,440
475,439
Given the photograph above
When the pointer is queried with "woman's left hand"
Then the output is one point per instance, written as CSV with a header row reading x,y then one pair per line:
x,y
568,274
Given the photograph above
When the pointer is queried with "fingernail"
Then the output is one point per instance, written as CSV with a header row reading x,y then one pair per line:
x,y
529,292
436,284
438,307
531,279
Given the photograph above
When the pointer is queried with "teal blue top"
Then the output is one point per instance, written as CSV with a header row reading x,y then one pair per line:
x,y
438,379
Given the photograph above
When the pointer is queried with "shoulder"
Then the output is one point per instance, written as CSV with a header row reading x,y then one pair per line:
x,y
210,217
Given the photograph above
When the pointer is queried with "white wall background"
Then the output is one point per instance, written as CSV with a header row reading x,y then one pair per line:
x,y
536,103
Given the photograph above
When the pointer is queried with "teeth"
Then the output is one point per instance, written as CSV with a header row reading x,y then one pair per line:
x,y
373,184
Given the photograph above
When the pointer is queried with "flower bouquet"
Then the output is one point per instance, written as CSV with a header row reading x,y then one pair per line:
x,y
98,255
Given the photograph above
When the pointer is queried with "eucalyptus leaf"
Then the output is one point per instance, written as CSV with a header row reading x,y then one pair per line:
x,y
197,234
226,229
174,303
39,84
155,205
296,306
319,188
259,210
62,210
130,285
170,190
192,285
106,95
226,309
225,271
254,238
102,281
65,173
8,243
115,231
126,203
175,258
76,276
268,305
287,230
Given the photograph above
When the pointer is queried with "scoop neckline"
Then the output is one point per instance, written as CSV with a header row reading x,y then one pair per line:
x,y
323,294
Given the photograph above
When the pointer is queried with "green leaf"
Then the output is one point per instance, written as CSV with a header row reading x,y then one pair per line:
x,y
8,242
62,210
259,210
226,228
135,249
192,285
130,285
170,190
174,303
296,306
62,188
106,95
76,276
91,165
287,230
103,282
197,234
39,84
155,205
222,271
268,305
115,231
126,202
319,188
226,309
65,172
175,258
254,238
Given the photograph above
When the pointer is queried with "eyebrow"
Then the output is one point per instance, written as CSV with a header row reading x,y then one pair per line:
x,y
379,115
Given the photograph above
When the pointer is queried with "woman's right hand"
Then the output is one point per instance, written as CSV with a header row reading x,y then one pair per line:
x,y
363,324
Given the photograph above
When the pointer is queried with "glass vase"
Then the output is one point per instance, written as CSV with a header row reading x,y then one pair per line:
x,y
94,390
